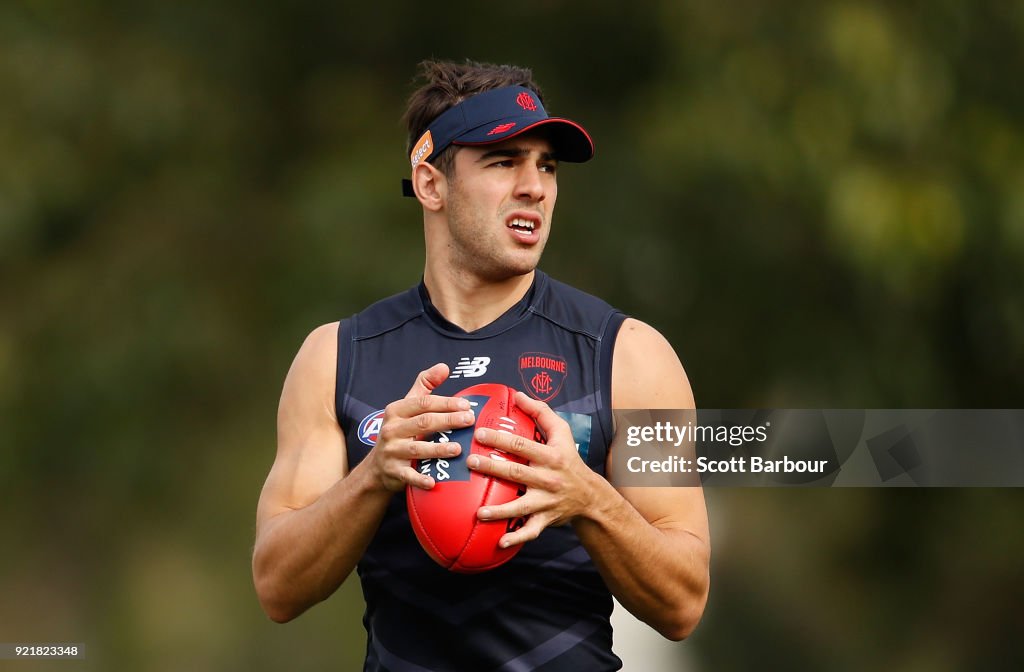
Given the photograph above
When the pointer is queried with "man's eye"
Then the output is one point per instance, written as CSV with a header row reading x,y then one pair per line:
x,y
507,163
549,167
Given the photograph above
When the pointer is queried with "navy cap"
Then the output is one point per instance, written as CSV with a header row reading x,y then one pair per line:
x,y
496,115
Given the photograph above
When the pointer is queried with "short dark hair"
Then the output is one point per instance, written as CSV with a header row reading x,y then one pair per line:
x,y
446,84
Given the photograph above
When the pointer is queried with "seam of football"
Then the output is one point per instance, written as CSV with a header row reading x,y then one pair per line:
x,y
476,521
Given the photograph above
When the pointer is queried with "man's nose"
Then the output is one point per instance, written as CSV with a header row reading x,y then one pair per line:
x,y
529,183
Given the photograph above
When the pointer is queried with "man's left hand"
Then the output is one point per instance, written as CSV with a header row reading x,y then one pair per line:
x,y
559,485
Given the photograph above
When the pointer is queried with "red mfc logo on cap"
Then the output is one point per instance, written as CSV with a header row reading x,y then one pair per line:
x,y
525,101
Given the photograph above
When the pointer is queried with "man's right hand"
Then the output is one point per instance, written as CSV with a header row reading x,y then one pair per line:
x,y
407,422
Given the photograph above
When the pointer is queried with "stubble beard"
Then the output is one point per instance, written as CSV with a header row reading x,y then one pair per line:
x,y
477,247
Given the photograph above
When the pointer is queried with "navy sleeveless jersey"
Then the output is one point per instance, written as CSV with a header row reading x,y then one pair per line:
x,y
546,609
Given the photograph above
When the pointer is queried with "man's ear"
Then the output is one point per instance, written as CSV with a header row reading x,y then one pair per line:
x,y
430,185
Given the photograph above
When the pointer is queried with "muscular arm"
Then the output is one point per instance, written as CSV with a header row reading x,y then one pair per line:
x,y
650,544
309,531
315,517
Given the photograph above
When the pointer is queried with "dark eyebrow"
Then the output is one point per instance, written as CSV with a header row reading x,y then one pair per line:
x,y
513,153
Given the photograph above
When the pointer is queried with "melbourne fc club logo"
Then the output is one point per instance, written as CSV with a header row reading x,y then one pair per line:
x,y
542,374
525,101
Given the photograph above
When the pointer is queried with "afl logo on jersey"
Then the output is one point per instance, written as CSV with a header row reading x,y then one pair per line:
x,y
369,428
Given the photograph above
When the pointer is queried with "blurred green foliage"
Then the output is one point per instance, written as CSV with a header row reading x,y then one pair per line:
x,y
821,204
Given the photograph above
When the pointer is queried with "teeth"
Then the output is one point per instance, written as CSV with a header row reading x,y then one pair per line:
x,y
522,224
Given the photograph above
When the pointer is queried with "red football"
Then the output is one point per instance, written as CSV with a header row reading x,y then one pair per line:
x,y
444,517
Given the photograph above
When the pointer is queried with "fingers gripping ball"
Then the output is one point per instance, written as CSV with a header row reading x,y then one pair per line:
x,y
444,517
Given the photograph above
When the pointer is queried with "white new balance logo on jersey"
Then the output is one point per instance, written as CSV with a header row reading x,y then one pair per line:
x,y
471,368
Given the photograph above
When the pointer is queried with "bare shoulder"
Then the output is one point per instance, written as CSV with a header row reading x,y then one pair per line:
x,y
646,372
314,368
310,445
307,400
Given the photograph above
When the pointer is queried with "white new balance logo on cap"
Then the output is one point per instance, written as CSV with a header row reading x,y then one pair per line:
x,y
467,368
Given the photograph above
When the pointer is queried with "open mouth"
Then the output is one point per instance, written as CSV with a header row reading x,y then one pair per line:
x,y
521,225
525,226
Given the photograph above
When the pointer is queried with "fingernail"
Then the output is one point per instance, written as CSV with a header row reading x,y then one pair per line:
x,y
485,513
462,404
467,417
481,434
503,543
454,448
473,461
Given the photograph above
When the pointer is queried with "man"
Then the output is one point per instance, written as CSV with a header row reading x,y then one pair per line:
x,y
362,394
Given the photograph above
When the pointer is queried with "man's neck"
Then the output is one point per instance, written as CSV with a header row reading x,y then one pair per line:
x,y
471,303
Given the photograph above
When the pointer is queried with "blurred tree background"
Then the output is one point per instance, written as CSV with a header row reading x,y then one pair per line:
x,y
821,204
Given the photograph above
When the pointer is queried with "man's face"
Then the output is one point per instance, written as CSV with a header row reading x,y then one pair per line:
x,y
500,201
